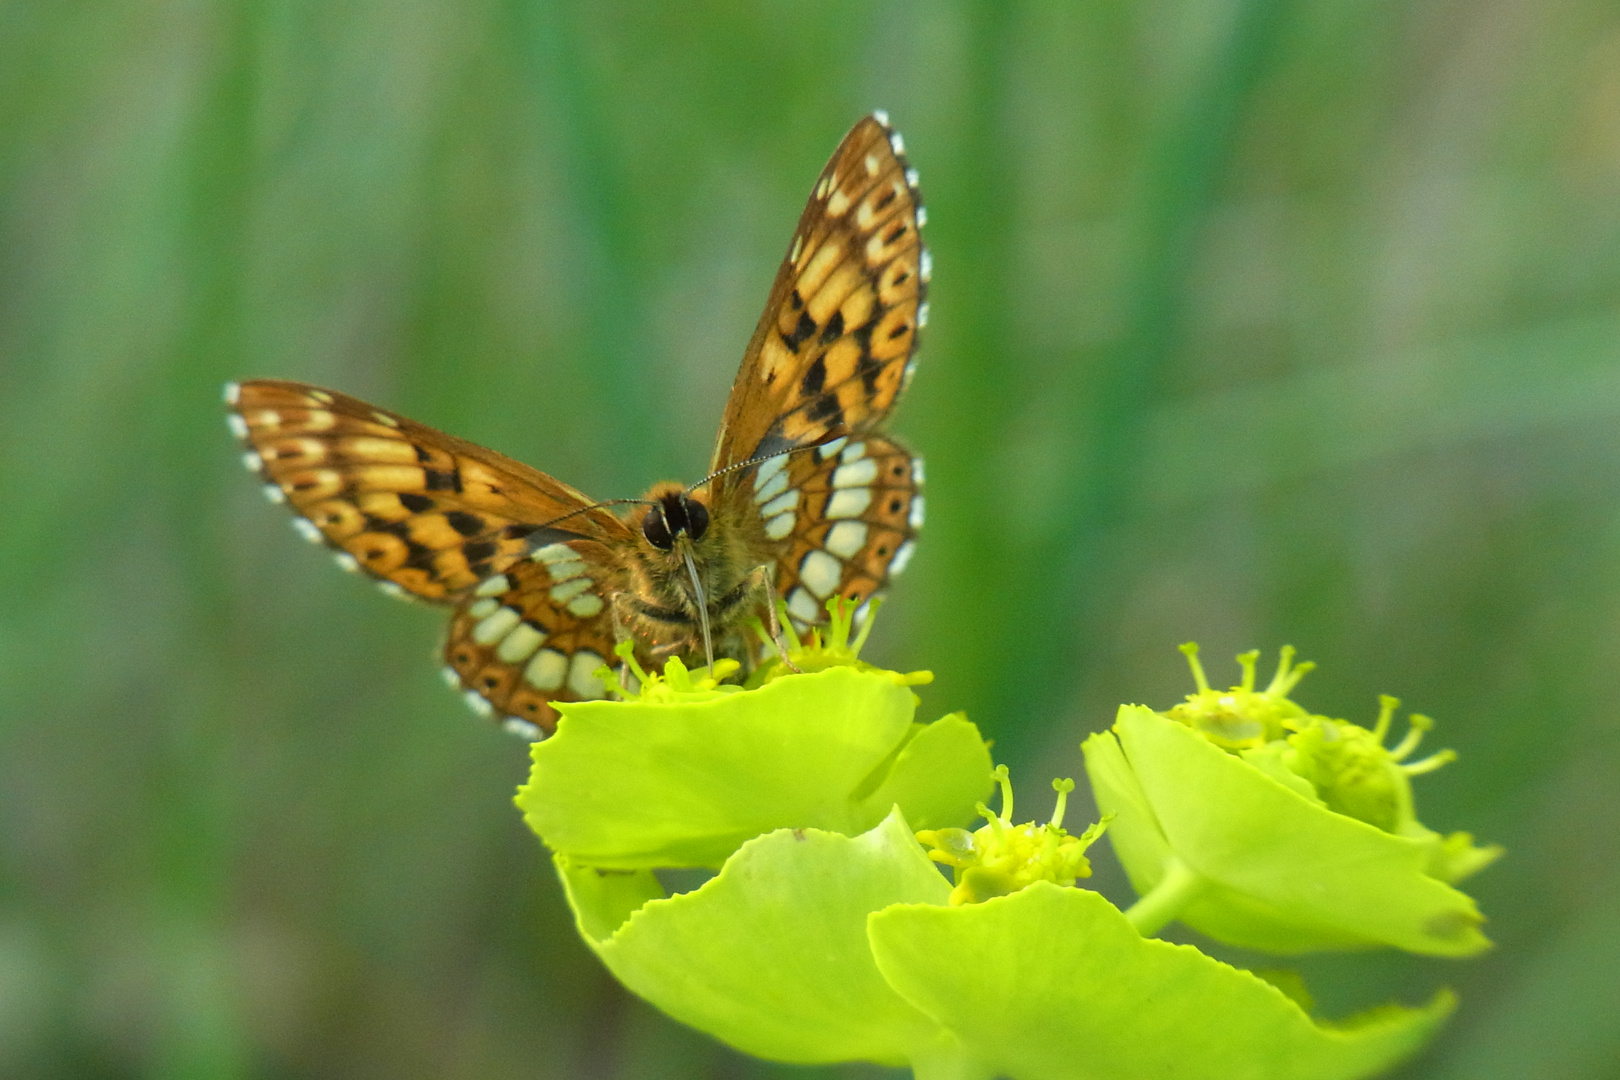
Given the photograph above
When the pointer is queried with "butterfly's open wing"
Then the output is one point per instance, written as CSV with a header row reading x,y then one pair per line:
x,y
841,519
427,513
833,349
534,635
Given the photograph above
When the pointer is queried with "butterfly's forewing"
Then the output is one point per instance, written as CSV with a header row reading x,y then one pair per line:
x,y
841,519
427,513
535,634
833,349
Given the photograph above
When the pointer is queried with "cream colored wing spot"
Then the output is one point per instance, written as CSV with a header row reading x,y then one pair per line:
x,y
516,725
917,514
393,590
853,453
483,609
772,489
567,590
828,450
274,493
846,539
547,670
917,471
820,573
233,393
778,527
520,644
308,531
582,678
586,605
563,571
475,701
856,474
238,426
321,396
925,265
451,677
494,586
783,502
897,142
384,418
251,461
767,471
494,627
848,503
555,553
902,558
803,607
347,562
922,314
798,246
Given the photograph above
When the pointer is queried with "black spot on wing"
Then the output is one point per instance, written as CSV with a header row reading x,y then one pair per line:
x,y
833,329
801,332
434,480
815,377
416,504
478,552
464,523
826,407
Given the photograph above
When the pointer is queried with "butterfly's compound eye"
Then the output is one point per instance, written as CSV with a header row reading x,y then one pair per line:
x,y
656,530
697,519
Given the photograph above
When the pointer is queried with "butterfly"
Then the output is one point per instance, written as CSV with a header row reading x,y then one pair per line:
x,y
806,497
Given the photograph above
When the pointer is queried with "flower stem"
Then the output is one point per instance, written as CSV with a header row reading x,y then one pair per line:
x,y
1165,902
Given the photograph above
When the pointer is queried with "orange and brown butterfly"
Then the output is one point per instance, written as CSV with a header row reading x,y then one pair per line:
x,y
805,497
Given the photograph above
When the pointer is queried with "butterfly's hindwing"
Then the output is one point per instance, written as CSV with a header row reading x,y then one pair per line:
x,y
535,634
427,513
842,518
832,351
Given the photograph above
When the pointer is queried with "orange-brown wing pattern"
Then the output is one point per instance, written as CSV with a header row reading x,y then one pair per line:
x,y
841,519
833,349
429,514
533,635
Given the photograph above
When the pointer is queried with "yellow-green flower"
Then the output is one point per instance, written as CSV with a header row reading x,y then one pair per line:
x,y
1001,858
1261,824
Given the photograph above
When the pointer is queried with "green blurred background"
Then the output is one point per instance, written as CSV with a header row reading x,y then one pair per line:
x,y
1253,322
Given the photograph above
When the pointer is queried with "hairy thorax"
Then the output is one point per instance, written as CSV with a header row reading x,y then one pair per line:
x,y
659,605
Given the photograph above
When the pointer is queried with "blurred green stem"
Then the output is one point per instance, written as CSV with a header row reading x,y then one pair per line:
x,y
1165,902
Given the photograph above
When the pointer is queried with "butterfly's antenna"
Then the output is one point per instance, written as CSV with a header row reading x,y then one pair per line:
x,y
751,462
702,602
593,506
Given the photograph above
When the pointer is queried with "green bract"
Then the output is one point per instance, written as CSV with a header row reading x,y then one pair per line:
x,y
1256,860
686,770
771,955
1054,984
815,947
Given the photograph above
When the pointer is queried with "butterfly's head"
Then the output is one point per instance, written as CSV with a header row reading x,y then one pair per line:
x,y
674,514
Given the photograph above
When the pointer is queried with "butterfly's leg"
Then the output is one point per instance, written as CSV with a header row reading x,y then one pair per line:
x,y
759,581
620,636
